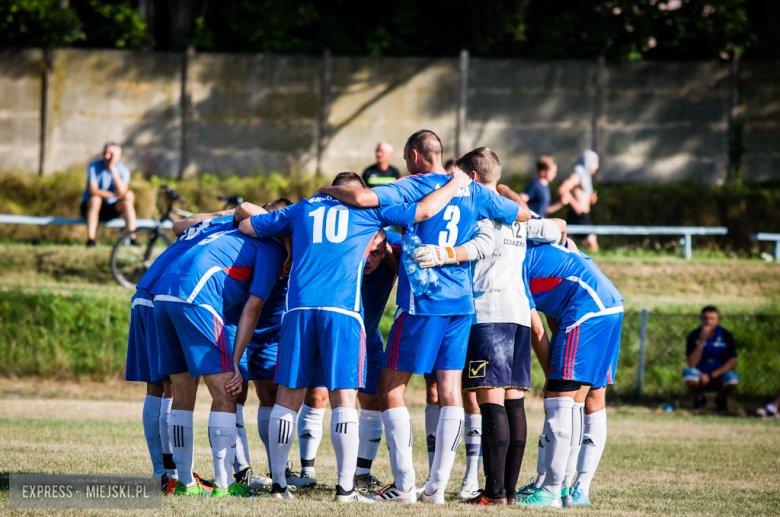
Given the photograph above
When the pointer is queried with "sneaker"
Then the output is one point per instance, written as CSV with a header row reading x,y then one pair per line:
x,y
437,497
252,481
528,490
91,243
699,402
367,481
722,403
469,490
196,489
419,490
342,496
282,493
541,499
302,480
390,494
566,497
578,496
480,499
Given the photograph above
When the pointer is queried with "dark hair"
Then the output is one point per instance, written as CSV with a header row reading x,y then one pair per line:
x,y
277,204
710,308
343,178
449,163
484,162
382,236
427,143
545,163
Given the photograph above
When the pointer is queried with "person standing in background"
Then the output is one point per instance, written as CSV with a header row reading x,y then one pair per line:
x,y
577,192
381,173
537,194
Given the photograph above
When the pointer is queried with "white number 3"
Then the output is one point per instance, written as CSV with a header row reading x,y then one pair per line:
x,y
336,224
449,237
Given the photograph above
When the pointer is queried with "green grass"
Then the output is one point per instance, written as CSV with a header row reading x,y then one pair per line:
x,y
654,463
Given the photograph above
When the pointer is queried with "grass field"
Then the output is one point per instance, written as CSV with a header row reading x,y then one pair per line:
x,y
654,463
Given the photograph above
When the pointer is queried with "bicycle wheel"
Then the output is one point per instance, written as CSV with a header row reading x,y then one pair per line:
x,y
129,261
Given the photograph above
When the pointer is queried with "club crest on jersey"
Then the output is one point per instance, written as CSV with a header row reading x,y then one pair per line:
x,y
477,369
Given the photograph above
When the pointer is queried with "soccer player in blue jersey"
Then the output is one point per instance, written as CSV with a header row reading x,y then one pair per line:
x,y
224,269
430,332
585,313
142,354
322,323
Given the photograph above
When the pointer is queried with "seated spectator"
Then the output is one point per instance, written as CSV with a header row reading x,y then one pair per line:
x,y
537,194
381,173
577,192
106,196
712,359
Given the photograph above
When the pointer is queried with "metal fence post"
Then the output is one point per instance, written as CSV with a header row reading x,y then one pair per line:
x,y
687,238
463,96
640,368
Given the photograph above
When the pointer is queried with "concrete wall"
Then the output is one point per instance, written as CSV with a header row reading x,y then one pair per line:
x,y
256,114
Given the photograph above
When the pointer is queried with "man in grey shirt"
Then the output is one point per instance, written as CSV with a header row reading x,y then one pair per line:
x,y
498,363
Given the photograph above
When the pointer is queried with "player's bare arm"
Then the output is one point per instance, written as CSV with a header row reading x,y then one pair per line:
x,y
246,210
480,246
524,213
181,226
435,202
539,342
354,196
566,188
244,332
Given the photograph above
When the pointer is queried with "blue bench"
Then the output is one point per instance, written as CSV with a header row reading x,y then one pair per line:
x,y
46,221
772,237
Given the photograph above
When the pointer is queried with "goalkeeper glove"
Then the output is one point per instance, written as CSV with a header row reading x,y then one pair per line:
x,y
429,255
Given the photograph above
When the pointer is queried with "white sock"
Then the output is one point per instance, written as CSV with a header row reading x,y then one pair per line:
x,y
151,420
222,437
344,435
576,442
540,460
473,439
309,436
281,430
241,460
370,436
400,438
180,429
449,433
165,438
263,418
557,429
593,442
431,423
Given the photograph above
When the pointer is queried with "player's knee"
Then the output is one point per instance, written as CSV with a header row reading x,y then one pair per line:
x,y
129,196
95,202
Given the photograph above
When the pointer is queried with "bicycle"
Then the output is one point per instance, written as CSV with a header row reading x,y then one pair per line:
x,y
130,258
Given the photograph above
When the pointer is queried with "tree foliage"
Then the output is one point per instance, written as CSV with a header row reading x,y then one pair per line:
x,y
536,29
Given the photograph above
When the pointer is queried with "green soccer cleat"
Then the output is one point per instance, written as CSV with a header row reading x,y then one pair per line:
x,y
234,490
528,490
541,499
195,489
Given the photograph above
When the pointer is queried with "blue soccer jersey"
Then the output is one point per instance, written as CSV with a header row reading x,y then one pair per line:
x,y
270,321
566,282
191,236
377,288
223,270
453,226
330,245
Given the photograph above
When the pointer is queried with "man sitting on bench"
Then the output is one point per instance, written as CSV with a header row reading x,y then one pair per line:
x,y
106,196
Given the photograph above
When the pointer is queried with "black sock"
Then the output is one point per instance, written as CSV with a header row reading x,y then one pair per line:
x,y
518,435
495,440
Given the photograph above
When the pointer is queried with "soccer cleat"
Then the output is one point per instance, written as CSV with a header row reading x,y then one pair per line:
x,y
578,497
170,486
342,496
480,499
437,497
541,498
419,490
302,480
196,489
282,493
234,490
469,490
528,490
367,481
252,481
208,486
390,494
566,499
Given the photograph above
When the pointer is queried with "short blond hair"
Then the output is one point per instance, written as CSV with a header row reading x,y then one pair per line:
x,y
484,162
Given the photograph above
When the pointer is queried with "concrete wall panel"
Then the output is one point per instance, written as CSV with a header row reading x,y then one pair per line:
x,y
20,109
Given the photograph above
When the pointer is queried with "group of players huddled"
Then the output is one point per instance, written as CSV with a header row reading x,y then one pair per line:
x,y
290,296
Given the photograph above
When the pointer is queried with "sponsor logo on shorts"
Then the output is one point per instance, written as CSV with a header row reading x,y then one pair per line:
x,y
477,369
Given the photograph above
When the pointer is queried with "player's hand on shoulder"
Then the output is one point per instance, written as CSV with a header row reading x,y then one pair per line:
x,y
429,255
461,178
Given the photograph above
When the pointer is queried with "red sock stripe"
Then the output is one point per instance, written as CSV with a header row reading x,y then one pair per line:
x,y
565,370
574,352
216,340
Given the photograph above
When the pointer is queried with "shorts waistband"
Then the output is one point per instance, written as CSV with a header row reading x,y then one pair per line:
x,y
605,312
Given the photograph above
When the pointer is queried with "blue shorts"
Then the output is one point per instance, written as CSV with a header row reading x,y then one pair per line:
x,y
142,356
375,358
424,344
192,338
322,342
261,360
587,350
498,356
728,378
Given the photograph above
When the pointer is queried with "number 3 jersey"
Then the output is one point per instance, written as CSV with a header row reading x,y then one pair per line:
x,y
331,242
453,226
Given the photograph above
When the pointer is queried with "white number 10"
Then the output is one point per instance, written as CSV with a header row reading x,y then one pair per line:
x,y
336,224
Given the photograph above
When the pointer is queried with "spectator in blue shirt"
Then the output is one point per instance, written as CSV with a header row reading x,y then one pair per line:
x,y
537,194
107,195
712,358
